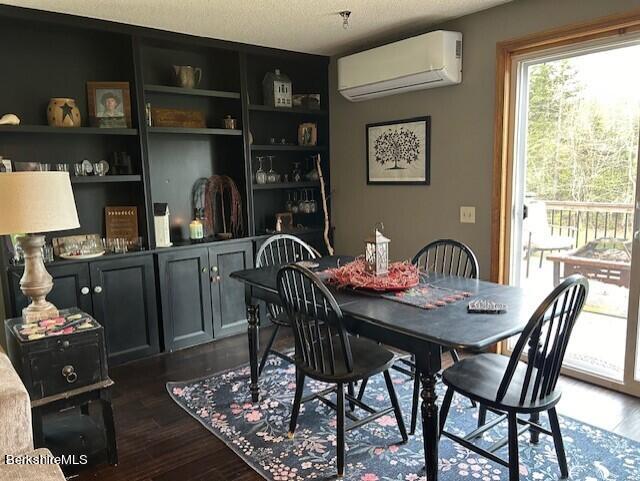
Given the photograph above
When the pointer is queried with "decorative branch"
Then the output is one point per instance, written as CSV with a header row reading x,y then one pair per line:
x,y
327,224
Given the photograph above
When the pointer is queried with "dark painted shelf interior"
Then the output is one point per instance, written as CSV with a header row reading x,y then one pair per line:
x,y
105,179
291,110
45,129
194,92
286,185
184,130
293,148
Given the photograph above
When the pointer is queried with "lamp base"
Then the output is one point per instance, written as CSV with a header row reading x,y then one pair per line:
x,y
36,282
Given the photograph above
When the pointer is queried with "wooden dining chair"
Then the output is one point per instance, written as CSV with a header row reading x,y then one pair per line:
x,y
280,249
508,387
327,353
453,258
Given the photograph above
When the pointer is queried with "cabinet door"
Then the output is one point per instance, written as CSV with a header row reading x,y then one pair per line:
x,y
227,294
71,287
185,295
124,302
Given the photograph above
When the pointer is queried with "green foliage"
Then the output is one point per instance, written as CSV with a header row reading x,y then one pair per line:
x,y
578,149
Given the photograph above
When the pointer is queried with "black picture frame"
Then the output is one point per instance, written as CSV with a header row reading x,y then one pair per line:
x,y
423,180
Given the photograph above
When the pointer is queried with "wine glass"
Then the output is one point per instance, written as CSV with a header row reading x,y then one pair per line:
x,y
295,204
261,175
289,203
313,205
272,176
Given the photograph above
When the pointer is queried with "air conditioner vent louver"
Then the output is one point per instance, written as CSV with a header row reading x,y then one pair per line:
x,y
430,60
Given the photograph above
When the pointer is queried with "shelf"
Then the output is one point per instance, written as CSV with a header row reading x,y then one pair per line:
x,y
284,110
165,89
96,179
286,185
293,148
183,130
45,129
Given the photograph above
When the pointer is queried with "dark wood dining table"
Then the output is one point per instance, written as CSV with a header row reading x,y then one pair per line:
x,y
425,333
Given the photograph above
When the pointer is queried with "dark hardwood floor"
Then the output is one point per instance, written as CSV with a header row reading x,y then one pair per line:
x,y
158,441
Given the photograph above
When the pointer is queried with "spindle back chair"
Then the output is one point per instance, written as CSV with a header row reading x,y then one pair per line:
x,y
449,257
280,249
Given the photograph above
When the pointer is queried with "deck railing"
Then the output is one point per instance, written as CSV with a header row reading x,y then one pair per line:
x,y
587,221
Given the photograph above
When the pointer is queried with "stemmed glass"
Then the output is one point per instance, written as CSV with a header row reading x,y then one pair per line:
x,y
313,205
272,176
261,175
289,204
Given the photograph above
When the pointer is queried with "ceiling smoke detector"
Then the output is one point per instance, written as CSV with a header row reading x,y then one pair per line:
x,y
345,14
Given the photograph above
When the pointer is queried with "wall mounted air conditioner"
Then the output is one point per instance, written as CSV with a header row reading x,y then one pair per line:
x,y
430,60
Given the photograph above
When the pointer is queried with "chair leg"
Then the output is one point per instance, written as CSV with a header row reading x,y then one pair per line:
x,y
541,258
340,426
396,406
482,415
456,359
350,390
363,386
296,402
267,349
558,443
415,403
444,410
514,461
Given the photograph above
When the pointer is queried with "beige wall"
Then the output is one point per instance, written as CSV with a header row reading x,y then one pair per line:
x,y
462,137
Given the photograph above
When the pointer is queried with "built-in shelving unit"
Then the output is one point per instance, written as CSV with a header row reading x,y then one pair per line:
x,y
289,148
290,110
286,185
45,129
105,179
184,130
166,89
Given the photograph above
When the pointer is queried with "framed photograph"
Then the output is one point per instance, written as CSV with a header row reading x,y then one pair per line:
x,y
109,104
308,134
399,152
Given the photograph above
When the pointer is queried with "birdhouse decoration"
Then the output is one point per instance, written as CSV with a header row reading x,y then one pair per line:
x,y
376,253
161,224
277,90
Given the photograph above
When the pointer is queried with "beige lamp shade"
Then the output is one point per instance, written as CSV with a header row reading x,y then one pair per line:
x,y
34,202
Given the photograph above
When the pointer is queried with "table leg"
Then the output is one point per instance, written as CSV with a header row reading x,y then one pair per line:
x,y
430,424
109,427
253,320
36,426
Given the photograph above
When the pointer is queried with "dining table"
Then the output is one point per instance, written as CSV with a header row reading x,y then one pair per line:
x,y
424,333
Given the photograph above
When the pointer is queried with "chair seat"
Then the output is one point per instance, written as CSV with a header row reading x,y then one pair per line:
x,y
281,319
369,358
479,378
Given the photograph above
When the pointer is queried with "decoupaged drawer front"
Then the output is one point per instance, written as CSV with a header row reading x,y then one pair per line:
x,y
72,365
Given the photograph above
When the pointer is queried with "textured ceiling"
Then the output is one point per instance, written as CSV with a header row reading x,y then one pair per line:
x,y
312,26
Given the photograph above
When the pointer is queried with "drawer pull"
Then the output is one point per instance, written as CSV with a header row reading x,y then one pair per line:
x,y
214,269
97,289
69,374
84,291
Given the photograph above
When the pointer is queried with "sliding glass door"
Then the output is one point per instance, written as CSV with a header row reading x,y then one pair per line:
x,y
575,195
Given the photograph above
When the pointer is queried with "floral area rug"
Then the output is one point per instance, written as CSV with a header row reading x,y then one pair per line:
x,y
257,432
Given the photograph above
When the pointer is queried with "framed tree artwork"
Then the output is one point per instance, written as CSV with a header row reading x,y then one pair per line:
x,y
398,152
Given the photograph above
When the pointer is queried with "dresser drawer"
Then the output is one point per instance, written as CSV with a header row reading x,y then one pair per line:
x,y
59,370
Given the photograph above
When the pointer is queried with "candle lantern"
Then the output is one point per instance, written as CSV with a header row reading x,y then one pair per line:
x,y
376,254
277,89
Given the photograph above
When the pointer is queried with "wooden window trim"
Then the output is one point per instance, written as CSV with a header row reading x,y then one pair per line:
x,y
610,26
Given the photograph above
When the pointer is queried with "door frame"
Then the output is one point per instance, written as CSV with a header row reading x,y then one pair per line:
x,y
504,121
507,54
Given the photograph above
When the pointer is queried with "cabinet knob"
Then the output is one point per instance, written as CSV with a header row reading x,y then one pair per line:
x,y
214,269
70,374
84,291
97,289
204,269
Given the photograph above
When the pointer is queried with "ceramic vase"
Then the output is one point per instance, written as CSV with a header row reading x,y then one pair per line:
x,y
63,112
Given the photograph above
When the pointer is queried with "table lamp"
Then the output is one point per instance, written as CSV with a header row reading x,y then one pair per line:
x,y
36,202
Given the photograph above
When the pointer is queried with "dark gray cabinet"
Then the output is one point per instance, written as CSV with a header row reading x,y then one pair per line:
x,y
71,287
227,294
120,293
185,292
199,299
124,302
